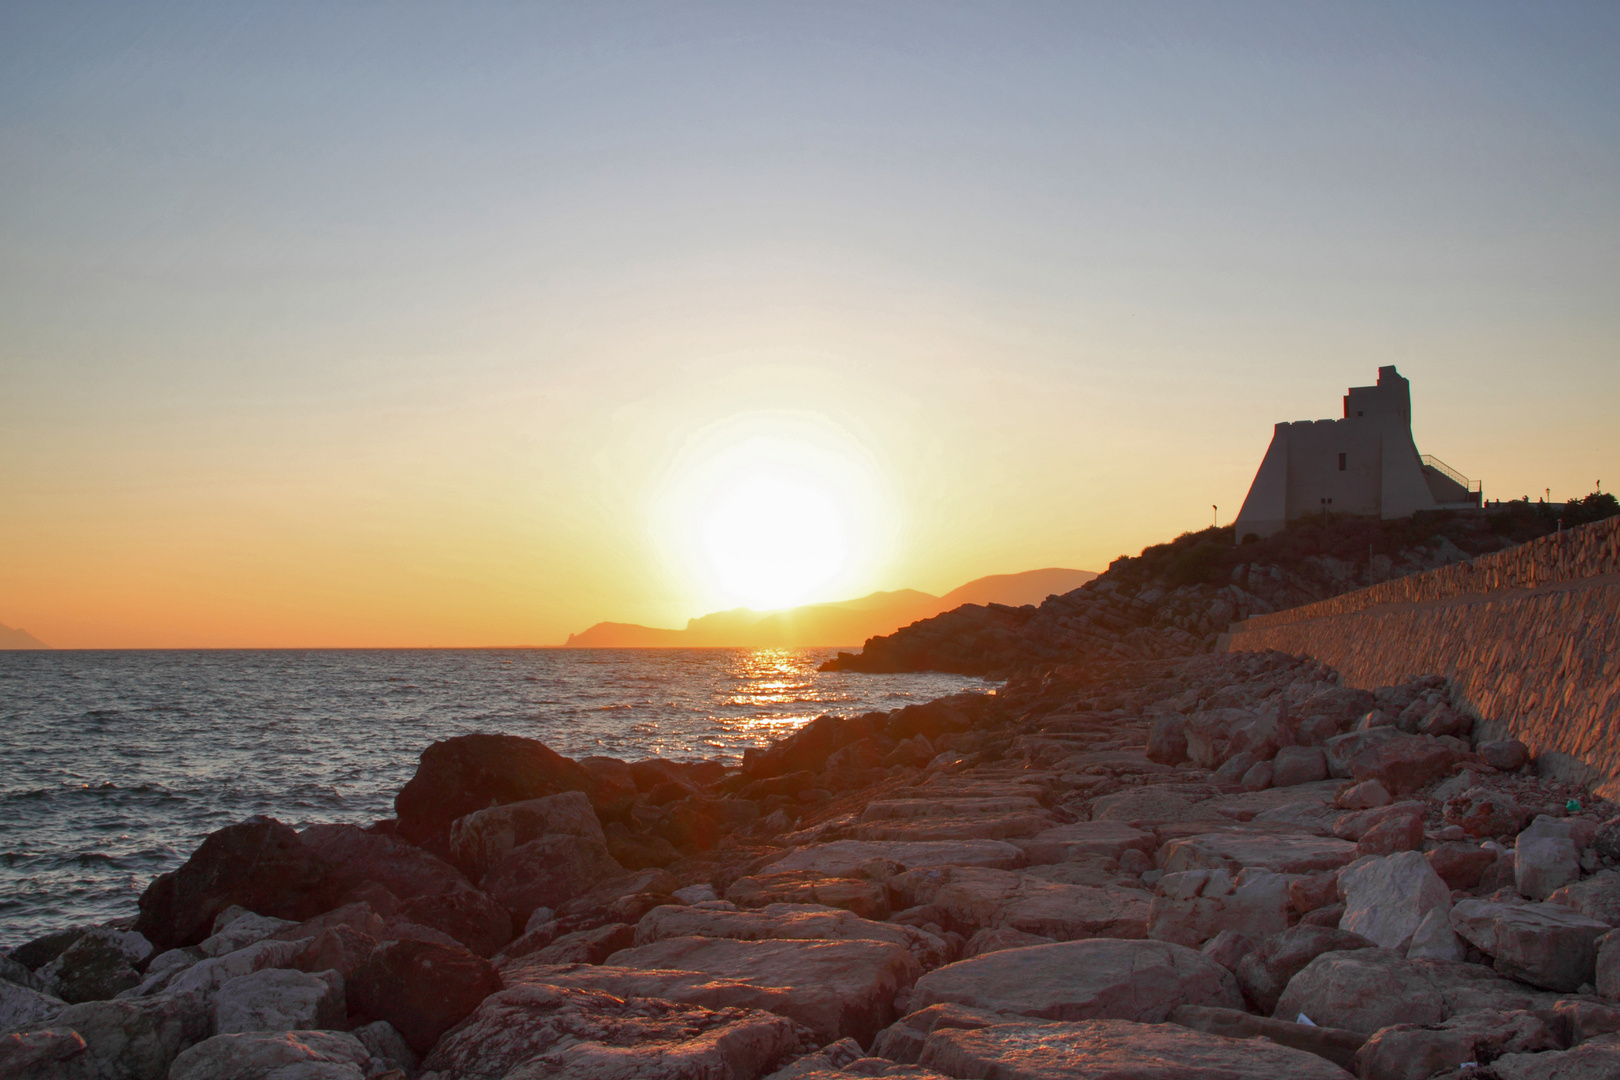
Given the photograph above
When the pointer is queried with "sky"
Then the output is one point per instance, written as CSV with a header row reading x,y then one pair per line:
x,y
475,324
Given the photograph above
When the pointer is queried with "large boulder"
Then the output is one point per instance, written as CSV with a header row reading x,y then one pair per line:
x,y
207,976
100,964
835,988
43,1054
1216,735
1331,1044
281,1055
458,776
1074,980
802,922
1597,897
279,999
1417,1052
571,1034
844,858
866,898
1386,899
467,915
422,989
22,1008
1362,990
549,872
1066,842
1545,945
1266,970
1598,1059
1114,1049
259,864
137,1038
1545,858
357,857
1237,849
1193,906
480,840
971,898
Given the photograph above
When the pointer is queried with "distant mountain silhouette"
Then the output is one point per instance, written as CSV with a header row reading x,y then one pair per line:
x,y
19,639
844,622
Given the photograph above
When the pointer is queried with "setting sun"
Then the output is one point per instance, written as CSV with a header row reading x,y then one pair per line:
x,y
770,509
774,538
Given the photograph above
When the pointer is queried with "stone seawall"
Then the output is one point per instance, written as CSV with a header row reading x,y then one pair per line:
x,y
1530,638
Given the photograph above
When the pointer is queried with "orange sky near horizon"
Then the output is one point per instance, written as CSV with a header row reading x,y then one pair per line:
x,y
326,328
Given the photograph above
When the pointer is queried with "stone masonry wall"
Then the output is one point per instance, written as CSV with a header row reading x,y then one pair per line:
x,y
1530,638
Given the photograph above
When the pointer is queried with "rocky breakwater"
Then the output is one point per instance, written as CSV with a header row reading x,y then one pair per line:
x,y
1225,866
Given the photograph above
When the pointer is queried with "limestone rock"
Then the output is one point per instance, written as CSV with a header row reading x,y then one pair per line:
x,y
206,977
996,939
1364,796
1434,938
137,1038
1416,1052
99,965
1481,811
469,917
363,860
260,864
1331,1044
1504,754
1597,897
807,922
1595,1060
1066,842
1237,849
44,1054
240,932
1193,906
1545,859
21,1007
903,1040
1098,978
569,1034
461,775
282,1055
1385,900
1362,990
968,899
1167,741
387,1046
1607,976
1295,765
1265,972
421,989
844,858
866,899
1544,945
548,872
586,946
278,999
1114,1049
1459,864
835,988
481,839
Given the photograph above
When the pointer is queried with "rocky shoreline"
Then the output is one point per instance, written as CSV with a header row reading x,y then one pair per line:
x,y
1208,866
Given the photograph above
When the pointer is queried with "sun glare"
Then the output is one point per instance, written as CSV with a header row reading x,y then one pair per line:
x,y
772,511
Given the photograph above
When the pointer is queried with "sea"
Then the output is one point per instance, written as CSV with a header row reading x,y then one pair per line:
x,y
114,765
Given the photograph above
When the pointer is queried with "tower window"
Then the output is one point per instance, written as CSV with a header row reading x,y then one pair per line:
x,y
1341,463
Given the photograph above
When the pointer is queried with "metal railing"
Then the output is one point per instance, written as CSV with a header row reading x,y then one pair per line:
x,y
1452,474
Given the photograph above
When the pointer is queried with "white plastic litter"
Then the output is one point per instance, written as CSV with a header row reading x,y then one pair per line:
x,y
1307,1021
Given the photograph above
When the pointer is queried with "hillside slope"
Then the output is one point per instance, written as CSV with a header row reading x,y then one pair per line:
x,y
1175,599
841,623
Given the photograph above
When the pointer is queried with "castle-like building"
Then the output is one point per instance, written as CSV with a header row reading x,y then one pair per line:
x,y
1364,463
